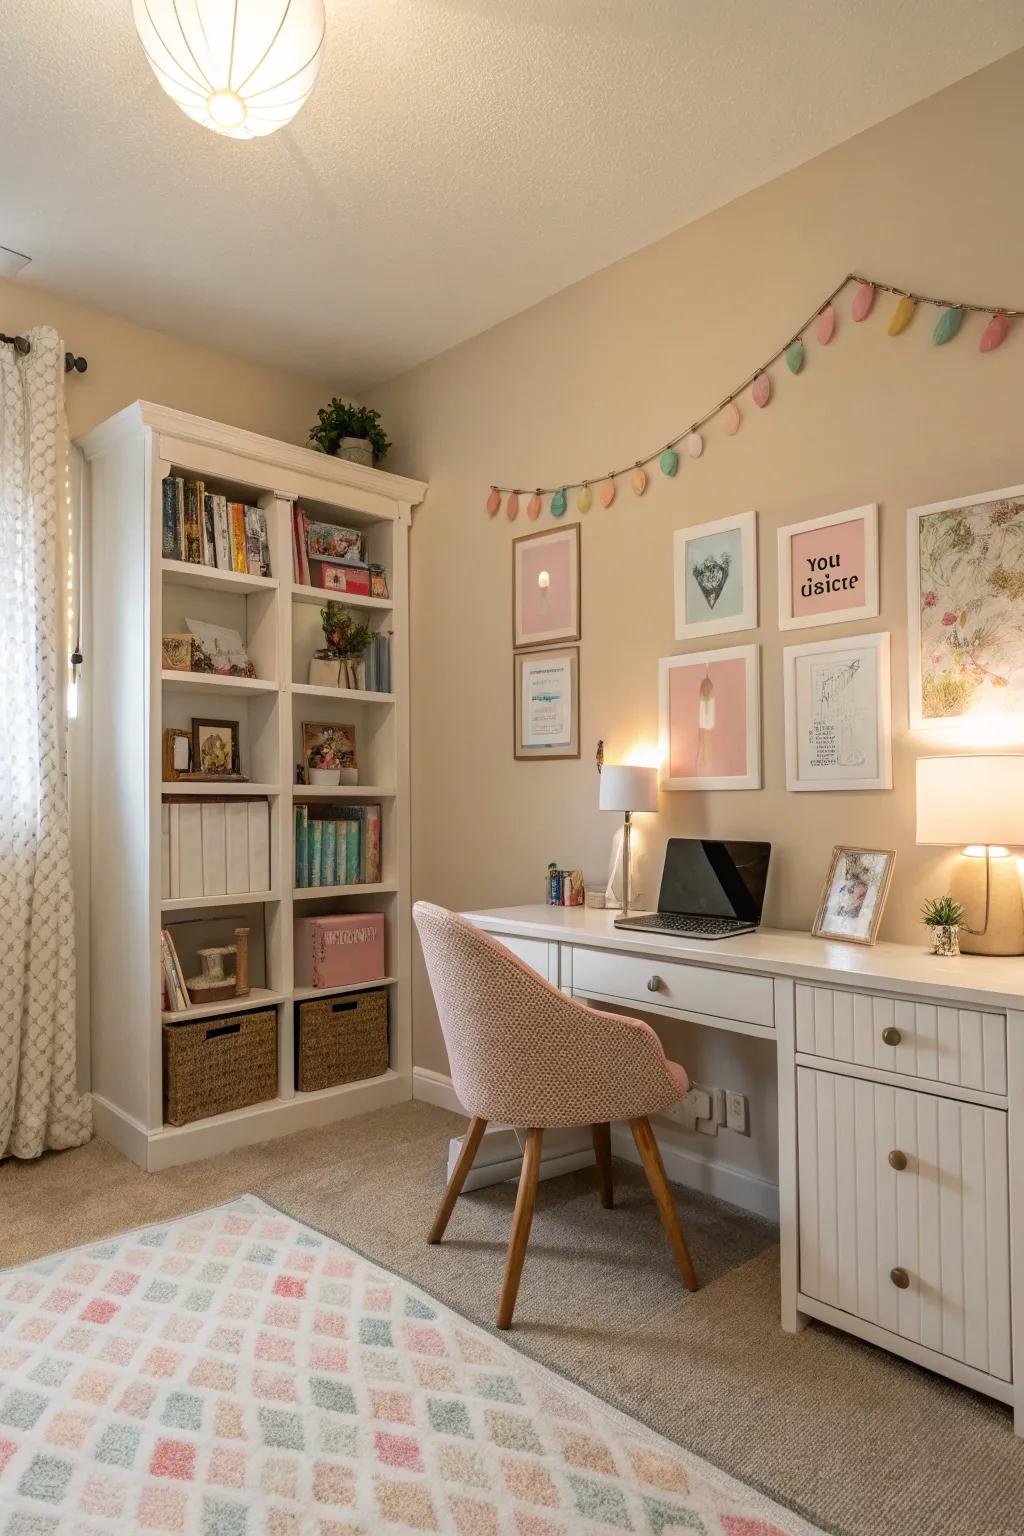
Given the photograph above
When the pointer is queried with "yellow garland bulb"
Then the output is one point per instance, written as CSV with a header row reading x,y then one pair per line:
x,y
902,315
584,499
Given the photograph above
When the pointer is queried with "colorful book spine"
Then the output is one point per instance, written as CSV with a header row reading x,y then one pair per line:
x,y
253,558
316,834
264,543
209,531
238,551
301,845
193,545
352,846
222,532
171,541
372,875
329,853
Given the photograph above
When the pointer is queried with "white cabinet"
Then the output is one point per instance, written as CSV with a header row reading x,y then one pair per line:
x,y
904,1214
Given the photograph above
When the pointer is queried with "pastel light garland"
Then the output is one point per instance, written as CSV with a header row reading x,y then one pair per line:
x,y
823,319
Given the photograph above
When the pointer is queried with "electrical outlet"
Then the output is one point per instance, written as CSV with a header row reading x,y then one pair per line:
x,y
696,1110
736,1113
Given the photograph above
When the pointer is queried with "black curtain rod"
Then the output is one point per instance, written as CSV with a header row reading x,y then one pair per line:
x,y
72,364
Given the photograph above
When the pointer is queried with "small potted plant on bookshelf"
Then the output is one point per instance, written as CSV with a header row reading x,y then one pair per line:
x,y
350,432
945,918
345,640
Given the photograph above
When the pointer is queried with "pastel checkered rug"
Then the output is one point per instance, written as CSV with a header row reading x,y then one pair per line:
x,y
235,1373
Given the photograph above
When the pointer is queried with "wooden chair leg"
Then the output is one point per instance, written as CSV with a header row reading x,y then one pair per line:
x,y
521,1222
654,1168
470,1143
602,1135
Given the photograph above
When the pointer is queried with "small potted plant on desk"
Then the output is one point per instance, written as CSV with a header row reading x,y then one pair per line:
x,y
346,638
945,918
350,432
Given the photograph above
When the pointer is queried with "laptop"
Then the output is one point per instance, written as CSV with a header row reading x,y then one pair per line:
x,y
709,889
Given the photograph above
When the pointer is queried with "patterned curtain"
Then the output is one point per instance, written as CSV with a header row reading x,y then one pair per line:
x,y
40,1107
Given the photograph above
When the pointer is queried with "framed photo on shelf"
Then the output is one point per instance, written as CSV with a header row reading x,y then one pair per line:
x,y
854,894
965,607
828,569
177,653
215,747
710,719
546,587
177,754
838,714
716,576
547,705
329,752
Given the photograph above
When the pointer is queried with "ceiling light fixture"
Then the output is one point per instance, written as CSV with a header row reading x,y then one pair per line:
x,y
241,67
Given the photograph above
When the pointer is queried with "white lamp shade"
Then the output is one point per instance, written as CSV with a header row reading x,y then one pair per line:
x,y
976,799
240,67
628,789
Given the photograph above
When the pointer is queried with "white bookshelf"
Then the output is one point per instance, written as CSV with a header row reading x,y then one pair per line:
x,y
137,596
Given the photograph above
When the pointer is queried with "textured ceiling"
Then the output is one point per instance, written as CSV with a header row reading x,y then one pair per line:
x,y
458,161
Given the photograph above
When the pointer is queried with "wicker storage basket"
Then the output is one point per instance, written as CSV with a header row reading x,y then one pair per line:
x,y
341,1039
213,1065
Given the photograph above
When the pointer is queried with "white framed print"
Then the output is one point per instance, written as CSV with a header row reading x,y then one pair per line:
x,y
838,714
716,576
828,569
710,719
965,607
546,694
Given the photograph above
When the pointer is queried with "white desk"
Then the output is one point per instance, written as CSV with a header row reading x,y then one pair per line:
x,y
901,1118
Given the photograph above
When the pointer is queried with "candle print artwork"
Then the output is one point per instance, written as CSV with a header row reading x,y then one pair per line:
x,y
965,566
546,587
838,727
710,720
716,576
828,569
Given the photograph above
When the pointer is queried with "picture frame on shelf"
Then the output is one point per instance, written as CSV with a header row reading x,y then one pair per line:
x,y
965,608
715,569
215,751
546,588
176,653
546,704
329,752
854,895
177,754
838,709
710,719
828,569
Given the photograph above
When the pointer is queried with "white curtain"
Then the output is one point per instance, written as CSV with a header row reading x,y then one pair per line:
x,y
40,1107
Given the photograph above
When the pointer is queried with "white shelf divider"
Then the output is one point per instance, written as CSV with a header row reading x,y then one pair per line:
x,y
353,695
212,682
320,596
315,892
184,573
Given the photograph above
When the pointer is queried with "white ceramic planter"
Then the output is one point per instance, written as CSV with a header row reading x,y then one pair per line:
x,y
358,450
325,775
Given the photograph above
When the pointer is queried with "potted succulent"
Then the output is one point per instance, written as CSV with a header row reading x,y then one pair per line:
x,y
324,764
345,639
945,917
350,432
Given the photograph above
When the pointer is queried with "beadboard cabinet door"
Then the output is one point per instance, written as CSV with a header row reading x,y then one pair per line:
x,y
904,1214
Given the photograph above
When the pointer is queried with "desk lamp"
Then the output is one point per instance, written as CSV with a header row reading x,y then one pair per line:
x,y
977,802
628,789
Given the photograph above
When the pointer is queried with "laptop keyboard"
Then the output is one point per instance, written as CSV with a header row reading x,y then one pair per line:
x,y
698,927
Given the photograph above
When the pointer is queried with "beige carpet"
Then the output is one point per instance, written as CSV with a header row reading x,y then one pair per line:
x,y
857,1441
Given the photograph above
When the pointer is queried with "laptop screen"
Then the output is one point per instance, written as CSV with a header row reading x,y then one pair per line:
x,y
712,879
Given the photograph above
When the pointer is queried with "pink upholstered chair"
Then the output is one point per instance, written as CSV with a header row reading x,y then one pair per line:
x,y
526,1055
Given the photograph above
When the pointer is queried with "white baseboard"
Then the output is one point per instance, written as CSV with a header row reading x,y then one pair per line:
x,y
112,1124
750,1191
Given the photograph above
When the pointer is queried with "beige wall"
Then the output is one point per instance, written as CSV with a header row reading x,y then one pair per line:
x,y
616,365
130,362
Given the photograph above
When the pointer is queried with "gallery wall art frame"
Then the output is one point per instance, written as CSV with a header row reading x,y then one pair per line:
x,y
965,607
546,611
715,566
838,709
703,693
546,704
840,539
849,870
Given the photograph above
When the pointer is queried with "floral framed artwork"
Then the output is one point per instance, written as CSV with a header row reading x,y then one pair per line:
x,y
838,714
215,746
716,576
828,569
547,704
710,719
965,607
854,895
546,587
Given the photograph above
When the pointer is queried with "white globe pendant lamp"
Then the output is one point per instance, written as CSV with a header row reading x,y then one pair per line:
x,y
241,67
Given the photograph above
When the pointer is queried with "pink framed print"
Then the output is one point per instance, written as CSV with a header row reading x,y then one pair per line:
x,y
828,569
710,719
546,587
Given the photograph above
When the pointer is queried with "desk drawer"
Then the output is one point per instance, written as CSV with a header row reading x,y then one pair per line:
x,y
946,1045
904,1214
532,952
692,989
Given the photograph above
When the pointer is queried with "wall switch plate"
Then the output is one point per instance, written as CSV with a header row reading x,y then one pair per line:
x,y
737,1117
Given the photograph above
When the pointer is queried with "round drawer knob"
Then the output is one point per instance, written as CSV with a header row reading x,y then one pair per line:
x,y
898,1160
655,984
891,1035
899,1278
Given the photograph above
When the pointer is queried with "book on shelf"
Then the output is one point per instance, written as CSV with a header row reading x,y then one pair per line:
x,y
337,845
174,996
200,527
214,846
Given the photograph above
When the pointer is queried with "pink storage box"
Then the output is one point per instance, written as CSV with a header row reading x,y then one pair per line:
x,y
339,951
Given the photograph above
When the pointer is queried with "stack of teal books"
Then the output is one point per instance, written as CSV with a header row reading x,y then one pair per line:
x,y
337,845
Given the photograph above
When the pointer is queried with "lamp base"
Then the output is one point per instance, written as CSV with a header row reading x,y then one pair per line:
x,y
1005,932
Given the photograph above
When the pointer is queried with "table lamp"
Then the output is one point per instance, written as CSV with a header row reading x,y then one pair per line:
x,y
978,803
628,789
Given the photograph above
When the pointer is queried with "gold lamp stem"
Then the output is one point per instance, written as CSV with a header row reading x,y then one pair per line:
x,y
625,864
988,893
